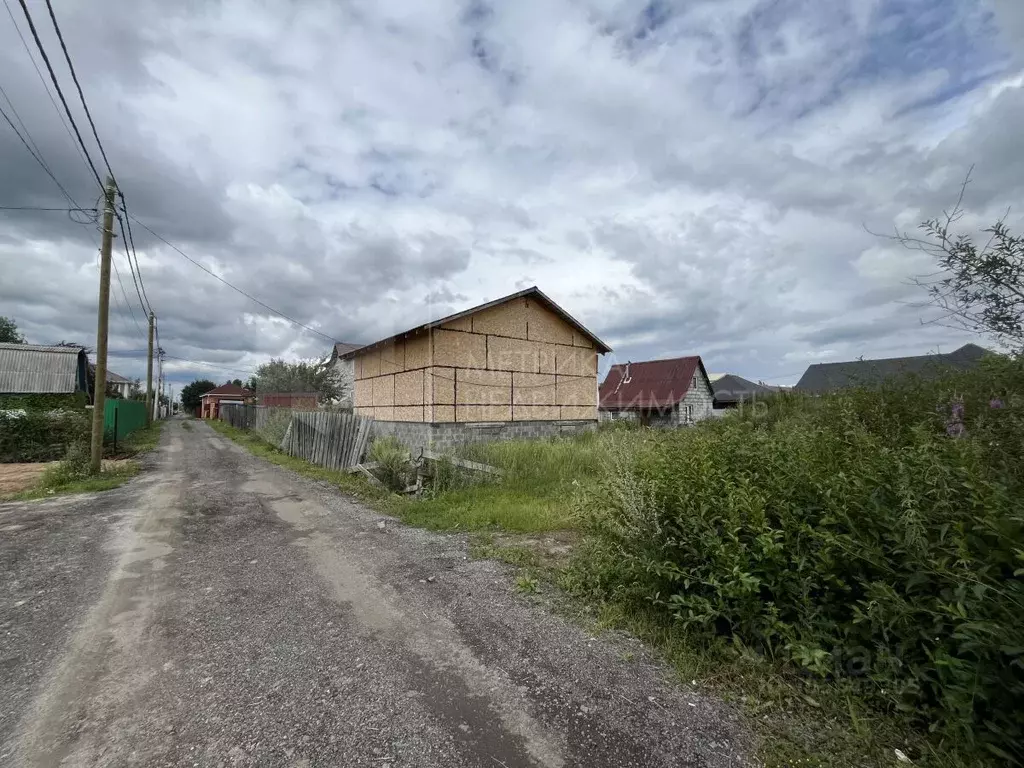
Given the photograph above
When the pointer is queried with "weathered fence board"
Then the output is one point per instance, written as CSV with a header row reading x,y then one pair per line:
x,y
333,440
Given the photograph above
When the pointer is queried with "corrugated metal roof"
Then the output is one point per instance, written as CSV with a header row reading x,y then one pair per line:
x,y
651,384
34,369
533,292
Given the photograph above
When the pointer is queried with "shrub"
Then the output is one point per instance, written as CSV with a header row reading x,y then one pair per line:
x,y
33,435
874,535
392,460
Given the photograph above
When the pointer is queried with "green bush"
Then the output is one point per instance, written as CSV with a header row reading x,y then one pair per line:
x,y
34,435
872,535
392,460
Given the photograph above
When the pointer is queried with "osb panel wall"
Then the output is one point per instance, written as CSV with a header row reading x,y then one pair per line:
x,y
515,362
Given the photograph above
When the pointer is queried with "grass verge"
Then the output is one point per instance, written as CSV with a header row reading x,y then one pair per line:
x,y
71,475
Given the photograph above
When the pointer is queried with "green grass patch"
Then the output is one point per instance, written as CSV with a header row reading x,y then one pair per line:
x,y
139,441
55,481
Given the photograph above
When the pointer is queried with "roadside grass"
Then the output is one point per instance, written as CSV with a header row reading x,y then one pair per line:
x,y
355,485
799,720
71,475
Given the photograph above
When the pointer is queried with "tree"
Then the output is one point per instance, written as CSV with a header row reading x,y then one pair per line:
x,y
979,289
237,382
303,376
9,332
191,393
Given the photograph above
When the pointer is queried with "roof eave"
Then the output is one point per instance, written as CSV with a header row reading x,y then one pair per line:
x,y
601,347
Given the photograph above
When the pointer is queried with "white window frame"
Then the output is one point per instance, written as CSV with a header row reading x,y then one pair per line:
x,y
688,412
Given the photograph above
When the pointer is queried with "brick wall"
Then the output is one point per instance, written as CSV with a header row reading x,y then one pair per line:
x,y
516,362
700,399
444,437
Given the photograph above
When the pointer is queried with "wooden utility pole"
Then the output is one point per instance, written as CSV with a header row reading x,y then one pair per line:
x,y
99,400
149,373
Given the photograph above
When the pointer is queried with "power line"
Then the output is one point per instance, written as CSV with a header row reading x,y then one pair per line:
x,y
60,93
140,287
81,96
21,122
229,285
125,294
211,365
42,80
38,159
35,208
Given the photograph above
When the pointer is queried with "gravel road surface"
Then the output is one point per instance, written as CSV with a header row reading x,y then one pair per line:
x,y
221,611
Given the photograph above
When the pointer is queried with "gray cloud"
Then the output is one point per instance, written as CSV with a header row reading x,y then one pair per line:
x,y
694,179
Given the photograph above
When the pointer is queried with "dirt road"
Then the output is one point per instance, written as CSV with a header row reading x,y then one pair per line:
x,y
220,611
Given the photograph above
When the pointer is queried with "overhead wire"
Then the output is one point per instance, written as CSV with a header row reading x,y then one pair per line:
x,y
38,159
42,80
229,285
60,93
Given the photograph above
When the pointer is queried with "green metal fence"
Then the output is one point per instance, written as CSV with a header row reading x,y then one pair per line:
x,y
124,416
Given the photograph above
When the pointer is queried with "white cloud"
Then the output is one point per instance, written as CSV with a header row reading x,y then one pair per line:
x,y
686,178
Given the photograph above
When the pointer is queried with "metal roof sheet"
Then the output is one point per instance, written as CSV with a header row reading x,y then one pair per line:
x,y
650,384
827,377
36,369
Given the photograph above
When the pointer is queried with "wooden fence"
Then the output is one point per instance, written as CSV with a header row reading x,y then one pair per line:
x,y
332,440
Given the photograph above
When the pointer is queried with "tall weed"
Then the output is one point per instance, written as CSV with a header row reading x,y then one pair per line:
x,y
876,535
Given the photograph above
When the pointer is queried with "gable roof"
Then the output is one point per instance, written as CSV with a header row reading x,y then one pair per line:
x,y
651,384
343,348
116,378
38,369
729,389
533,292
228,389
826,377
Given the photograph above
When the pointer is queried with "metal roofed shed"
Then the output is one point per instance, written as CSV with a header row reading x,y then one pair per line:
x,y
31,369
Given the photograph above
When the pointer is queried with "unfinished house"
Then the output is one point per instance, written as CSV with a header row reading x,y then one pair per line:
x,y
517,367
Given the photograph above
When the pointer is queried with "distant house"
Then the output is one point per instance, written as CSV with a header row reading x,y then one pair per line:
x,y
297,400
661,393
518,366
31,369
119,384
732,391
829,377
226,394
345,364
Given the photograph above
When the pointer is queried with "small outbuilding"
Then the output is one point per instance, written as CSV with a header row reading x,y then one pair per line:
x,y
658,393
32,369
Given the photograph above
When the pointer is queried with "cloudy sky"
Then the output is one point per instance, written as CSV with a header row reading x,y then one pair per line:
x,y
686,177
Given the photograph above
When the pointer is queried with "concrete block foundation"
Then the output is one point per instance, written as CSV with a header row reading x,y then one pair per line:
x,y
446,436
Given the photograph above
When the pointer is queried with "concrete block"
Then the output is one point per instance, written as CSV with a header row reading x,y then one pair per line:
x,y
575,361
463,350
363,393
576,390
545,325
581,412
385,413
508,319
534,413
533,389
440,383
363,411
462,324
513,355
441,413
383,391
477,387
408,413
409,388
465,413
417,352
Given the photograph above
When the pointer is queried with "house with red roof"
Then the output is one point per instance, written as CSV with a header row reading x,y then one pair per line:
x,y
225,394
657,393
